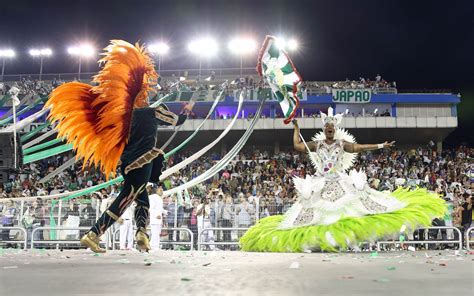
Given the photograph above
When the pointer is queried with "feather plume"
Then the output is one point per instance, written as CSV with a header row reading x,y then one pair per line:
x,y
97,119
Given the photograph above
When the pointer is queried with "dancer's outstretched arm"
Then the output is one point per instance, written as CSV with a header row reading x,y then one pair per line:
x,y
298,143
353,147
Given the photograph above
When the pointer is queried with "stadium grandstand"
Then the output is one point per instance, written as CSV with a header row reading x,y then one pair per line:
x,y
257,183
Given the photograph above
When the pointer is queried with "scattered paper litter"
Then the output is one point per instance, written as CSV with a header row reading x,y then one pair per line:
x,y
294,265
382,280
186,279
411,248
391,268
10,267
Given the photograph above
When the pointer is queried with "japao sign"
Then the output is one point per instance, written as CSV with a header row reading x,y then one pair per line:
x,y
362,95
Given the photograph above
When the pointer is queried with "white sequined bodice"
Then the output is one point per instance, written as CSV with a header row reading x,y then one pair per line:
x,y
327,158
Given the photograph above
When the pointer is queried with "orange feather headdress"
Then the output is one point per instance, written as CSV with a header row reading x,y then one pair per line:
x,y
96,120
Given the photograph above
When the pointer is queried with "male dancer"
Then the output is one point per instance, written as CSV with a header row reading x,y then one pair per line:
x,y
111,122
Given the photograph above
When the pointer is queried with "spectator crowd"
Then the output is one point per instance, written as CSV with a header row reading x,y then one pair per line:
x,y
255,185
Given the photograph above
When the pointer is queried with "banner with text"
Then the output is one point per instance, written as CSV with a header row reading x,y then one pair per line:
x,y
361,95
258,94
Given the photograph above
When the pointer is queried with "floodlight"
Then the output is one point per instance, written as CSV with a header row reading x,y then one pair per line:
x,y
7,53
159,48
290,44
46,52
83,50
204,47
35,52
242,45
40,52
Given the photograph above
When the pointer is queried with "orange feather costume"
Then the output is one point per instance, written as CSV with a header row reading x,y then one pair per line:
x,y
97,119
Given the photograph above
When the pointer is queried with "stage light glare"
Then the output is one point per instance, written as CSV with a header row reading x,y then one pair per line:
x,y
46,52
83,50
242,45
7,53
159,48
292,44
204,47
280,43
35,52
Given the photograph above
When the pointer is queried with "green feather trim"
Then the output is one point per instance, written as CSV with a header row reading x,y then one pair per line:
x,y
421,208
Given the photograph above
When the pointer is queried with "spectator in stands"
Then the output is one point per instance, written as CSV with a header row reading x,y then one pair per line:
x,y
227,214
8,215
244,212
466,211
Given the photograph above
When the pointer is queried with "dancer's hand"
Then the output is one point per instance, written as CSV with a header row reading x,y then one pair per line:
x,y
388,145
295,123
188,108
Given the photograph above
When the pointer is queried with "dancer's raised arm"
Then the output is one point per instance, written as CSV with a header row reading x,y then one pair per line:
x,y
298,143
353,147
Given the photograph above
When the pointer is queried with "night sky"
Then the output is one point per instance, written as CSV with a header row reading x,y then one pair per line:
x,y
419,44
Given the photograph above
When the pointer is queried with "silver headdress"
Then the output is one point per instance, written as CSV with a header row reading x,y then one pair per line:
x,y
331,118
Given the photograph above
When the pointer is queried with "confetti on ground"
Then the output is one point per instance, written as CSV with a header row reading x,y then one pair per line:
x,y
391,268
294,265
148,264
442,264
207,264
348,277
374,254
186,279
382,280
10,267
411,248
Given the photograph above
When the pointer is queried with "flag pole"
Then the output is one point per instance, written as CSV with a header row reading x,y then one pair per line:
x,y
14,132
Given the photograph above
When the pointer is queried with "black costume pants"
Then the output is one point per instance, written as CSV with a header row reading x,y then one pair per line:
x,y
134,189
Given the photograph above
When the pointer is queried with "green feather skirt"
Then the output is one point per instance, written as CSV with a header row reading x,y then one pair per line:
x,y
421,208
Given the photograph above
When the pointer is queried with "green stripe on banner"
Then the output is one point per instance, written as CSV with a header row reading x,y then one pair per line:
x,y
36,130
4,100
279,96
47,153
273,51
289,88
287,69
41,146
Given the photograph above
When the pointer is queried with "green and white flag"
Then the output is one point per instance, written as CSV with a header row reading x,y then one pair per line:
x,y
277,69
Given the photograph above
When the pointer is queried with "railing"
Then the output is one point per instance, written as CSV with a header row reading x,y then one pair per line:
x,y
204,230
423,242
190,242
57,242
468,238
24,241
201,243
85,76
